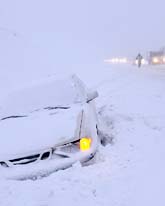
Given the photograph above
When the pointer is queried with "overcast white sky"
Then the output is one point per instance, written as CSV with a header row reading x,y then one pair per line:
x,y
82,31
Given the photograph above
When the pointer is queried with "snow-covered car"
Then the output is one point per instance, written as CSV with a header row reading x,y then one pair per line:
x,y
46,127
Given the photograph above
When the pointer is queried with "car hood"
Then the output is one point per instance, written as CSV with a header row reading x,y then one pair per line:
x,y
42,129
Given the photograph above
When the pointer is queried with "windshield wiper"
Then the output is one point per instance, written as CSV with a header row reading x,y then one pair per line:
x,y
58,107
46,108
13,117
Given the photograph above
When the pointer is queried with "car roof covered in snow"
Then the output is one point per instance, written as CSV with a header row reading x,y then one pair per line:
x,y
52,92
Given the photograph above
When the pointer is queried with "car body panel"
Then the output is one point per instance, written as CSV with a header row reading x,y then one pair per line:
x,y
38,131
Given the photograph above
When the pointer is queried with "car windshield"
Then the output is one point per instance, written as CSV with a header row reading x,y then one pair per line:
x,y
44,95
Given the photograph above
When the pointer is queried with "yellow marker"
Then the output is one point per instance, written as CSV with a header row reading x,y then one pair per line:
x,y
85,144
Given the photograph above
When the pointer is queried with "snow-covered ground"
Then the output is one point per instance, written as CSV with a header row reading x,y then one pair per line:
x,y
128,172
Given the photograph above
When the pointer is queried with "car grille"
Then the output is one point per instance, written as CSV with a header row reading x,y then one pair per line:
x,y
25,160
28,159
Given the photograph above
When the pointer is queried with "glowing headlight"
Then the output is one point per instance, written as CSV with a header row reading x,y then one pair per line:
x,y
155,60
85,144
82,144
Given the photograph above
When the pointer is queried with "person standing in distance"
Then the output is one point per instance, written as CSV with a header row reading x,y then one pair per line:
x,y
139,60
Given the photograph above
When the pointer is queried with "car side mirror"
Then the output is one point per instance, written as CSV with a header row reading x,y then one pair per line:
x,y
92,95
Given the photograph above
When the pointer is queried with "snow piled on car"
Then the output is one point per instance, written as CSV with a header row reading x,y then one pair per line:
x,y
52,92
128,172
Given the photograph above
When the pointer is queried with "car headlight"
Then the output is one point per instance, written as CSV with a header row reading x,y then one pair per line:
x,y
155,60
85,144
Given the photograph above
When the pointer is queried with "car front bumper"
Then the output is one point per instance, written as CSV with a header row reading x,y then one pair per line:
x,y
44,168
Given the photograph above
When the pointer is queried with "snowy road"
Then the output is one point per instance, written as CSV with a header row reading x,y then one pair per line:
x,y
129,172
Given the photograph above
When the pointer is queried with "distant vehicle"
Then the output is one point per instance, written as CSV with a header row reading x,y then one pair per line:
x,y
156,57
47,127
